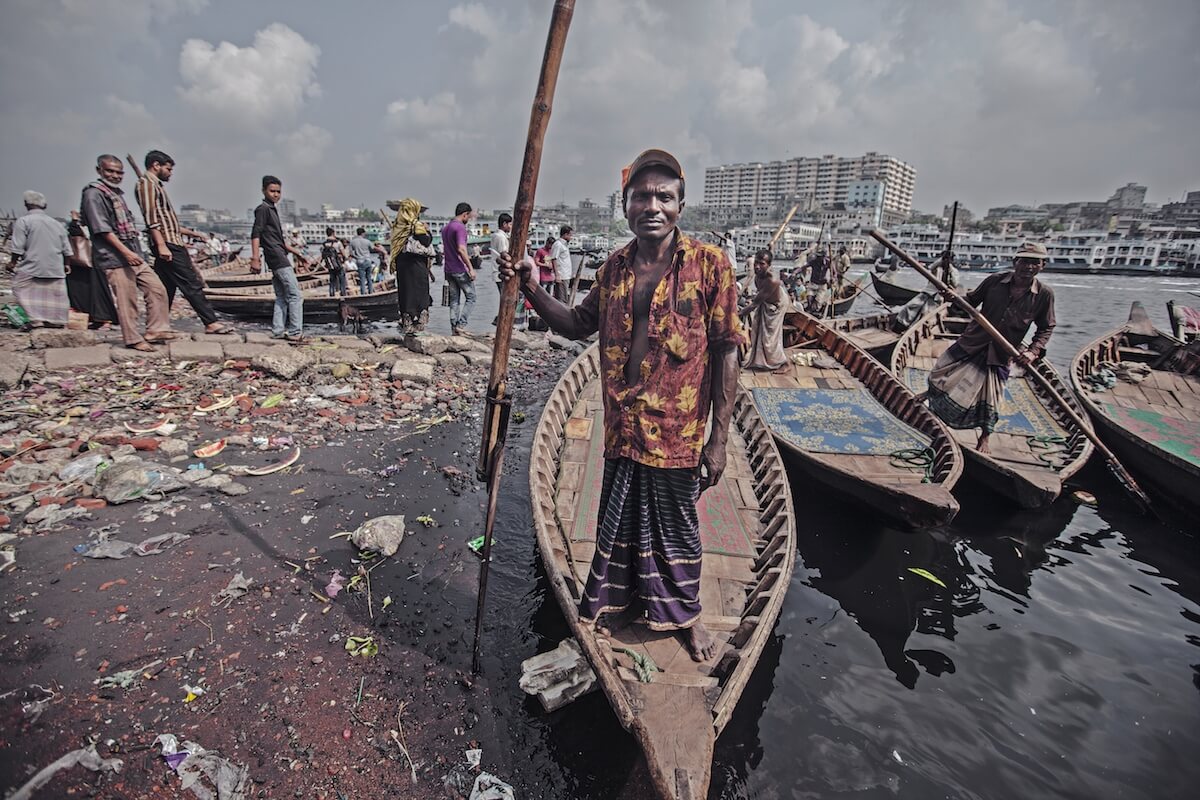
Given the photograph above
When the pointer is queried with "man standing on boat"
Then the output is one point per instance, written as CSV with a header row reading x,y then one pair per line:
x,y
172,261
266,242
766,312
967,381
665,306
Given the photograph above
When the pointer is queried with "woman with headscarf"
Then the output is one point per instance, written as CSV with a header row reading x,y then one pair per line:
x,y
410,257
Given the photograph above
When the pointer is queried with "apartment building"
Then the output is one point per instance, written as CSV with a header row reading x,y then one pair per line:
x,y
823,181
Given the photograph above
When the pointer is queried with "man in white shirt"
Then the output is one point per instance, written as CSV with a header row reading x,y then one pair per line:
x,y
499,244
560,254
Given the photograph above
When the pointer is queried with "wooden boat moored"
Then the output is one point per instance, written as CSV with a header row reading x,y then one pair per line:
x,y
1035,446
848,422
748,532
259,303
892,293
874,333
1150,415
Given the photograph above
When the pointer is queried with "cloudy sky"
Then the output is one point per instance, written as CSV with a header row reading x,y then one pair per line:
x,y
993,101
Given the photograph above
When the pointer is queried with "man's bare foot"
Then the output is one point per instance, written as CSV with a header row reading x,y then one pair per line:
x,y
982,444
615,620
143,347
700,643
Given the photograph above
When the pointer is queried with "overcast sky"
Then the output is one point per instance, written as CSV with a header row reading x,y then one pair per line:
x,y
993,101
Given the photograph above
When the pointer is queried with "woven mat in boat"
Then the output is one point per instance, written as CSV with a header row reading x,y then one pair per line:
x,y
1020,411
722,529
1178,437
834,421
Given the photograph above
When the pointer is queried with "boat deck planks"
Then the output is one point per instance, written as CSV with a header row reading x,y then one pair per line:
x,y
823,358
1018,466
1170,391
678,715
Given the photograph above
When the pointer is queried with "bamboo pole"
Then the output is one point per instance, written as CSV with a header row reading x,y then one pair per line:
x,y
1119,472
495,421
782,227
136,169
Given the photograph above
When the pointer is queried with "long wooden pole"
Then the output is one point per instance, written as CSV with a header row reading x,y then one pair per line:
x,y
495,420
1122,475
136,169
782,227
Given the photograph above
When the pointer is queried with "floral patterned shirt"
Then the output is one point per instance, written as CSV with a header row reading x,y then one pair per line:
x,y
660,420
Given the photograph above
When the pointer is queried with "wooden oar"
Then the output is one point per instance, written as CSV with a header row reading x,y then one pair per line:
x,y
1119,472
496,410
583,259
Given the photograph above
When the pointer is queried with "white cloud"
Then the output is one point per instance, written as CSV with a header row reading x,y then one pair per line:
x,y
476,19
258,87
305,147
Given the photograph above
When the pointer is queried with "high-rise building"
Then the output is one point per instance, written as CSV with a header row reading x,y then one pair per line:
x,y
1129,196
825,180
287,210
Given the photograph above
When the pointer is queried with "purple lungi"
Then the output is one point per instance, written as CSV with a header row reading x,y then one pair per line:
x,y
648,550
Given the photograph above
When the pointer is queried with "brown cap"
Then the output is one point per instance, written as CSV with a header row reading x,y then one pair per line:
x,y
1033,250
651,158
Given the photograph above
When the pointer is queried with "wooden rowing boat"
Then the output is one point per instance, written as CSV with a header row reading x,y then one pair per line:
x,y
259,302
1035,446
1151,416
846,295
874,333
841,417
748,529
891,293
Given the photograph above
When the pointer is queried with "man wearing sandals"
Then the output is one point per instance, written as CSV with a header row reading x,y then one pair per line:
x,y
117,252
172,262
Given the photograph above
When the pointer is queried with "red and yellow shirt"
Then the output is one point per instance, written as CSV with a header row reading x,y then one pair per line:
x,y
660,419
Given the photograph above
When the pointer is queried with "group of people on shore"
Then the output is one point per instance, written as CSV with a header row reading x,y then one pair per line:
x,y
102,275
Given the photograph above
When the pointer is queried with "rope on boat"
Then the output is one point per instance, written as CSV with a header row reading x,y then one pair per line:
x,y
915,458
1048,448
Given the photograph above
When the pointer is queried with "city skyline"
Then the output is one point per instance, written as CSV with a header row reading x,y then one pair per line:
x,y
1001,102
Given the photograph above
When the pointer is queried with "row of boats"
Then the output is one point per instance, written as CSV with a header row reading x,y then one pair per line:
x,y
847,414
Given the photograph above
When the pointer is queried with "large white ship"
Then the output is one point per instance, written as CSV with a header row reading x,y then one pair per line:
x,y
1074,251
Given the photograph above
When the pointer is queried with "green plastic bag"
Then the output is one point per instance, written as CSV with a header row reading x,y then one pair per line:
x,y
16,315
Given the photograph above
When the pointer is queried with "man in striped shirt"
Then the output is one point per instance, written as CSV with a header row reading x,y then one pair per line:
x,y
172,262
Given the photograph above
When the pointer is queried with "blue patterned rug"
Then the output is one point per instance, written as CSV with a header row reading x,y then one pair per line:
x,y
834,421
1020,411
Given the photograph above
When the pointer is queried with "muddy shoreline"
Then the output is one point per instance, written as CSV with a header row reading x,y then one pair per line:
x,y
281,695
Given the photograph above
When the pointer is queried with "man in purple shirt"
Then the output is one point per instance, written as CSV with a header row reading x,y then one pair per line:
x,y
460,275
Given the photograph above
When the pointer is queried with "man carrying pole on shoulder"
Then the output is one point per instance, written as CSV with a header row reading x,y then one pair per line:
x,y
172,262
665,307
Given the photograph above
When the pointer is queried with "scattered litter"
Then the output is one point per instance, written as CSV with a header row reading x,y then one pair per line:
x,y
558,676
489,787
125,678
209,450
896,756
152,429
387,601
35,699
192,692
927,575
259,471
476,545
336,583
84,467
1084,498
105,547
307,518
381,534
473,758
134,479
206,774
427,520
238,585
273,400
361,646
157,544
84,757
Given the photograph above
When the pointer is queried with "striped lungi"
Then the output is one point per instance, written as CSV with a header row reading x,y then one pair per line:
x,y
44,299
648,549
965,391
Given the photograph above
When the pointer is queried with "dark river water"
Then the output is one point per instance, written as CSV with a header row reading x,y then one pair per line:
x,y
1062,658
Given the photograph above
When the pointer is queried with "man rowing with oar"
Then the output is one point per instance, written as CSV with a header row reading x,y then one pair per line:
x,y
665,306
967,381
